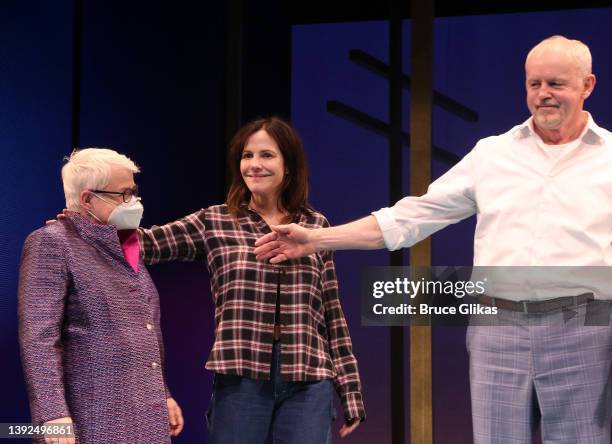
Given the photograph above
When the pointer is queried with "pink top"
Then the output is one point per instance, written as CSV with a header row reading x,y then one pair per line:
x,y
130,246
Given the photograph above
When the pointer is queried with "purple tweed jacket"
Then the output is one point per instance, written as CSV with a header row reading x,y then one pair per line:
x,y
89,333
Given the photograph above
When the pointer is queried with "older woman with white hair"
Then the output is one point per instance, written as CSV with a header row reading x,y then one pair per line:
x,y
89,320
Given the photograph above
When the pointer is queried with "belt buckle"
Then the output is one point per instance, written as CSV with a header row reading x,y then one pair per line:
x,y
525,309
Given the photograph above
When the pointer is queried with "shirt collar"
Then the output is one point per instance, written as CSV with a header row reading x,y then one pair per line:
x,y
253,213
590,136
101,236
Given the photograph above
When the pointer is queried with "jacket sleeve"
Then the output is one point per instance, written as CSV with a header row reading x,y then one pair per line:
x,y
181,240
162,350
43,283
347,381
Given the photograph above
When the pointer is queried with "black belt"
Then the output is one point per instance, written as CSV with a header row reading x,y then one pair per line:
x,y
537,306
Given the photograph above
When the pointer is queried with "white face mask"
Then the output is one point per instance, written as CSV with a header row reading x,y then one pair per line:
x,y
126,216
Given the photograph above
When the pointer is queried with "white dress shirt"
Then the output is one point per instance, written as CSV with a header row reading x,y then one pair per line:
x,y
532,209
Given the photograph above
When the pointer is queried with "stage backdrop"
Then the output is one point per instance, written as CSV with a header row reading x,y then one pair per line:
x,y
478,62
152,86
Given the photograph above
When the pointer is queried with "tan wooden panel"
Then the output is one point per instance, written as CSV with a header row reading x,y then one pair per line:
x,y
421,104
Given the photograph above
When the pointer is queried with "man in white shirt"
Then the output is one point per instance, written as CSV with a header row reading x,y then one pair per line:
x,y
542,193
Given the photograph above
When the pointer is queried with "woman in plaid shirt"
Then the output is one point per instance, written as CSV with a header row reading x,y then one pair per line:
x,y
281,340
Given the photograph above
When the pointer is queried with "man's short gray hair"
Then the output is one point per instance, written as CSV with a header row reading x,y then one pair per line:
x,y
574,48
90,169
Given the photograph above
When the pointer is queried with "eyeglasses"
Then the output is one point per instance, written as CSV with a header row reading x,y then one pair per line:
x,y
125,195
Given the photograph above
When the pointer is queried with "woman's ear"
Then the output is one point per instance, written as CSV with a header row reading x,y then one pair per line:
x,y
84,199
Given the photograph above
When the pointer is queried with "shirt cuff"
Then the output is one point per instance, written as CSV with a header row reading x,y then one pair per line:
x,y
391,233
352,404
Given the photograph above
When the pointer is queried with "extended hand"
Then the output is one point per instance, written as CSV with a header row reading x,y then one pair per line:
x,y
57,439
285,242
348,428
60,216
175,416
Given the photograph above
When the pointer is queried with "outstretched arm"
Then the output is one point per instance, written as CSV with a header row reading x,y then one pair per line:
x,y
448,200
181,240
293,241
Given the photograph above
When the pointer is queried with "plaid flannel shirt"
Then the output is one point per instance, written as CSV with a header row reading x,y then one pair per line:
x,y
315,341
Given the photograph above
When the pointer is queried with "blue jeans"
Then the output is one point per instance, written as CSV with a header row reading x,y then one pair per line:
x,y
249,411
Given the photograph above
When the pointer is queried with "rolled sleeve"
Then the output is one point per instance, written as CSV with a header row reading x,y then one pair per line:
x,y
448,200
394,236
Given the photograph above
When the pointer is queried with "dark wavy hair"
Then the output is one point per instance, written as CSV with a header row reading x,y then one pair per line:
x,y
293,197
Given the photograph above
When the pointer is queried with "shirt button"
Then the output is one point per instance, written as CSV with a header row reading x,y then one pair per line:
x,y
154,365
149,326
